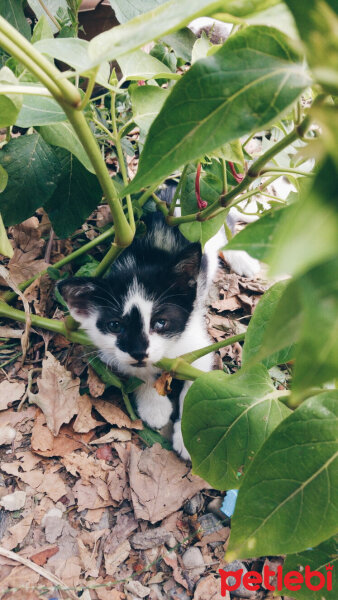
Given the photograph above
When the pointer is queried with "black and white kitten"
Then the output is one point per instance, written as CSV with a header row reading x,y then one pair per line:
x,y
152,305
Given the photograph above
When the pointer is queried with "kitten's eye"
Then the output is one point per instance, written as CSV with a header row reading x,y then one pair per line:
x,y
114,326
160,325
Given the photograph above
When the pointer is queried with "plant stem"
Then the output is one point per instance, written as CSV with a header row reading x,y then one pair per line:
x,y
190,357
283,171
179,368
27,90
90,87
161,205
9,296
224,176
78,337
122,163
178,190
146,195
112,254
49,14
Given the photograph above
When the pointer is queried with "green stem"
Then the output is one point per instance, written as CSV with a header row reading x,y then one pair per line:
x,y
122,163
178,190
9,296
49,324
89,90
179,368
224,176
25,90
128,406
161,205
190,357
283,171
146,195
49,14
112,254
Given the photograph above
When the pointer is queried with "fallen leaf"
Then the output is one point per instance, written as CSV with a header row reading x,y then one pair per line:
x,y
114,435
96,386
88,560
170,559
44,443
117,482
84,466
10,417
7,435
115,558
14,501
162,384
41,557
115,416
209,588
105,453
84,421
159,482
53,485
58,395
123,528
10,392
17,533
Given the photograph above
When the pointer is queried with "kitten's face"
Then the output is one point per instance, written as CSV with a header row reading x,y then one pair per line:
x,y
136,315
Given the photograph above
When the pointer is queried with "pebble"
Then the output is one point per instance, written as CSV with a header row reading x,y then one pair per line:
x,y
193,561
151,538
209,523
193,505
135,587
241,590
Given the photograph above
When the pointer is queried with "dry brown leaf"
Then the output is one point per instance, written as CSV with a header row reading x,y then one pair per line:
x,y
114,435
94,495
115,558
20,577
170,559
58,395
69,571
108,593
44,443
17,533
26,261
232,303
159,482
218,536
28,460
86,467
162,384
40,558
53,485
117,482
9,417
94,515
84,421
96,386
123,528
88,560
115,416
10,392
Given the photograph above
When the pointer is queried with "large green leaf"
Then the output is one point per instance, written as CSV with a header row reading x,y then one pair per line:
x,y
250,81
52,5
10,104
126,10
77,194
42,30
307,313
317,559
37,110
12,11
33,172
64,136
147,101
317,22
258,325
211,188
286,502
181,42
225,421
257,238
162,20
308,233
140,65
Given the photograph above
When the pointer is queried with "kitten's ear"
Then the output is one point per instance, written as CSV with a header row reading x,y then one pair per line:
x,y
187,265
79,293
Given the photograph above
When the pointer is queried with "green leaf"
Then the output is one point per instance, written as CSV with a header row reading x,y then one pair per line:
x,y
77,194
42,30
147,101
12,11
10,104
317,24
88,268
151,437
317,559
38,110
277,16
258,238
3,179
160,21
286,501
211,188
298,247
226,419
140,65
307,313
181,42
231,151
126,10
64,136
5,245
74,52
250,81
33,173
201,48
257,328
52,5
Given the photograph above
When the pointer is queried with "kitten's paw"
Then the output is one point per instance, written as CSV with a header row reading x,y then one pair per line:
x,y
155,411
178,443
242,263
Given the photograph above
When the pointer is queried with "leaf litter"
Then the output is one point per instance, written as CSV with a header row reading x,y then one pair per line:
x,y
81,496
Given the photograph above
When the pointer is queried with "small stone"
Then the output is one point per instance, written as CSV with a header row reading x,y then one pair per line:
x,y
193,561
209,523
236,565
135,587
215,507
193,505
14,501
171,542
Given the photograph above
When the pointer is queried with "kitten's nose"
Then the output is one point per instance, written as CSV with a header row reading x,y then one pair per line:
x,y
139,355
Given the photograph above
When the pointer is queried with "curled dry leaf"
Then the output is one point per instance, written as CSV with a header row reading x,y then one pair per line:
x,y
58,395
209,588
115,558
44,443
26,260
115,416
114,435
40,558
17,533
10,392
96,386
84,421
162,384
